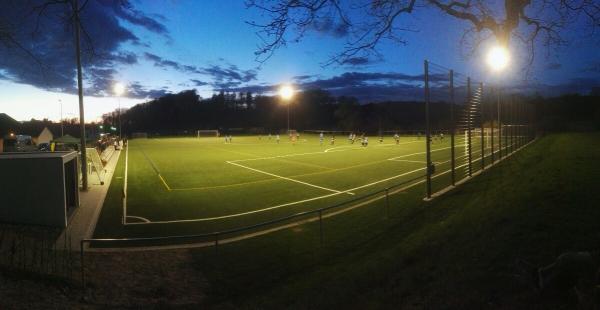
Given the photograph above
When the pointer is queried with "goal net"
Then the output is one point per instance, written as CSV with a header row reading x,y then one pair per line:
x,y
139,135
207,133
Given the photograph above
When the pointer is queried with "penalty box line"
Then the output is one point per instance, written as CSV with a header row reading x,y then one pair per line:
x,y
289,179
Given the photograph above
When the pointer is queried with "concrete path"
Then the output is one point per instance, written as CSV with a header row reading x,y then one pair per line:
x,y
83,222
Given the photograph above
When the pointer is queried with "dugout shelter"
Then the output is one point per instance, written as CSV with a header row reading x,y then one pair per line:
x,y
39,188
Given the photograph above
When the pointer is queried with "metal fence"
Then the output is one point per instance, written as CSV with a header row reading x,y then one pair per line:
x,y
470,126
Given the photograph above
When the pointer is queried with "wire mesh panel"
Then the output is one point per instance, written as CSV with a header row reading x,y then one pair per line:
x,y
470,126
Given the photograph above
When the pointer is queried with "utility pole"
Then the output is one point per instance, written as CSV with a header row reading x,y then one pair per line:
x,y
84,176
62,133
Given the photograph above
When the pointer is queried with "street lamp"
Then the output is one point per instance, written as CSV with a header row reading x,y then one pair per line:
x,y
498,58
61,119
286,92
119,90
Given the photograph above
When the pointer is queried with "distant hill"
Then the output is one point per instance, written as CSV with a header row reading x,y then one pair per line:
x,y
7,124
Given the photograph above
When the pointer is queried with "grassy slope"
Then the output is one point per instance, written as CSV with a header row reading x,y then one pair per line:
x,y
457,251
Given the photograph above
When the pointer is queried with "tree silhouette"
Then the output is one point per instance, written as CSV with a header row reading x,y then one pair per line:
x,y
368,22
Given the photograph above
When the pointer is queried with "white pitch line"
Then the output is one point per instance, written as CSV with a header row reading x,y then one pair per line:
x,y
277,206
419,153
145,220
125,187
290,179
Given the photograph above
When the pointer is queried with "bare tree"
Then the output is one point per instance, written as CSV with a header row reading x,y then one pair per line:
x,y
371,21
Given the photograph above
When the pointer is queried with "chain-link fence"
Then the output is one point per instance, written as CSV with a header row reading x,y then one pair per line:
x,y
470,126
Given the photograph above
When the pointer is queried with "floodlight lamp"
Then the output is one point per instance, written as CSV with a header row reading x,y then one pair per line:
x,y
119,89
286,92
498,58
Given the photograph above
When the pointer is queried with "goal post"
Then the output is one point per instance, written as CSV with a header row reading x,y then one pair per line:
x,y
207,133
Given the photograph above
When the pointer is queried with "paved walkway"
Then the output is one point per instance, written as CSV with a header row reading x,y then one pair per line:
x,y
83,222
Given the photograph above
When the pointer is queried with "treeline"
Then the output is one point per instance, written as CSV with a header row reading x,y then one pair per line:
x,y
186,112
312,109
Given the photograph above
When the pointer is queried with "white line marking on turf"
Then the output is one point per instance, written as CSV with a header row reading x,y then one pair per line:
x,y
145,220
125,187
281,205
419,153
290,179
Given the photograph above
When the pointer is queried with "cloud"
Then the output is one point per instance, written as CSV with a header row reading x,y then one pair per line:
x,y
593,67
223,76
357,61
198,82
136,90
553,66
48,62
330,27
124,10
365,86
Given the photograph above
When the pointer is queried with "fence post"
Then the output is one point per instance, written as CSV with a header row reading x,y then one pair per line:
x,y
82,264
482,119
321,226
499,127
452,129
469,116
427,130
511,116
492,126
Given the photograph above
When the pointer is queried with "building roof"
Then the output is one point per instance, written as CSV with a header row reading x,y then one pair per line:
x,y
66,156
7,124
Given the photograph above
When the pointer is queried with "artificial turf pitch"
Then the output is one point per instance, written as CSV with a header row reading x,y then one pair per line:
x,y
178,186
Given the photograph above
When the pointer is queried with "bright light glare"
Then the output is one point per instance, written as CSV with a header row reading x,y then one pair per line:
x,y
498,58
286,92
119,89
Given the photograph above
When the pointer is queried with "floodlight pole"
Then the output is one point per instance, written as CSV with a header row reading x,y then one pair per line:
x,y
61,118
482,116
453,129
84,176
119,99
469,123
427,130
288,117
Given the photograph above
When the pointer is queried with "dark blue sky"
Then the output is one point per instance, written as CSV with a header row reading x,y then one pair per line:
x,y
158,47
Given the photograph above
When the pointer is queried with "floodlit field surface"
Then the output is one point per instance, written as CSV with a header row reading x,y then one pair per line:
x,y
191,186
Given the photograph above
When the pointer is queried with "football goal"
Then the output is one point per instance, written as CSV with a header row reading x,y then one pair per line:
x,y
207,133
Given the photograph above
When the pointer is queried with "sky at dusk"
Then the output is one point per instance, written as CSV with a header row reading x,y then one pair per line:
x,y
160,47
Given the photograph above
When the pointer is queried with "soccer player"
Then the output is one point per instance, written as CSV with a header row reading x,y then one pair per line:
x,y
365,141
332,140
397,138
350,138
277,138
381,139
321,138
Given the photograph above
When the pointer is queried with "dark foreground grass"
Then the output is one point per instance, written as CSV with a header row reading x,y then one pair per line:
x,y
455,252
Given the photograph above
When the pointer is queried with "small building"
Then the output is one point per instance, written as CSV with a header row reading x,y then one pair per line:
x,y
40,188
45,136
